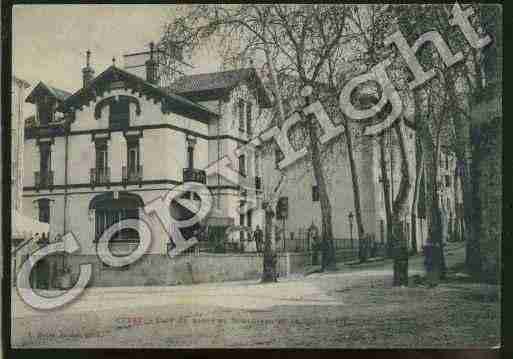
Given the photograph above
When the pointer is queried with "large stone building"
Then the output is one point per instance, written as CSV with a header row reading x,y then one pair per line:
x,y
100,154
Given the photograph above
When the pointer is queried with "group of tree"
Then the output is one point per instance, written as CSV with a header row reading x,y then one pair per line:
x,y
329,44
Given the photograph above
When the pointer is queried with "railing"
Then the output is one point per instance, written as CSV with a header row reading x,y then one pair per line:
x,y
43,180
132,174
100,176
194,175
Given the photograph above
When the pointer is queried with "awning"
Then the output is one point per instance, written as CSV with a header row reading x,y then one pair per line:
x,y
24,227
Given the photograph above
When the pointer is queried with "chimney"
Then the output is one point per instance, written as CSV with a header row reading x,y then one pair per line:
x,y
87,72
151,67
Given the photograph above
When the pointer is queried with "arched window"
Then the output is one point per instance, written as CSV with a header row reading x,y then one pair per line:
x,y
119,113
109,211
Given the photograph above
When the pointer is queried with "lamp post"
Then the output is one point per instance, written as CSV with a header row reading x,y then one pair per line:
x,y
350,216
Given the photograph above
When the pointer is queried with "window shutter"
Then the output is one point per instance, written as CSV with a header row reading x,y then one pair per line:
x,y
51,149
92,157
132,114
52,206
141,154
109,154
35,157
123,147
35,209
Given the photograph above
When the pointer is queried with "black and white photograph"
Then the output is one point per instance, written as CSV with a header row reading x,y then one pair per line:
x,y
255,176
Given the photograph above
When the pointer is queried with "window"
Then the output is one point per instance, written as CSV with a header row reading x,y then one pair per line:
x,y
45,176
249,214
121,242
241,115
249,109
102,167
101,154
241,219
119,113
133,158
190,156
242,165
278,156
315,193
106,217
446,162
109,211
282,208
44,210
45,159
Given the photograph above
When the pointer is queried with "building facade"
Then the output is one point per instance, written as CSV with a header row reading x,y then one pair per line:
x,y
99,155
19,91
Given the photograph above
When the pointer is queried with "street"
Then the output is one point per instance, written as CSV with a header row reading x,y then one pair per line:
x,y
355,307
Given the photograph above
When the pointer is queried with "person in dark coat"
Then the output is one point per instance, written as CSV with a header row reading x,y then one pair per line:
x,y
258,237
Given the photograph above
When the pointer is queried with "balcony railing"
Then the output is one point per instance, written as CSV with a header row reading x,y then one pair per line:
x,y
43,179
132,174
194,175
100,176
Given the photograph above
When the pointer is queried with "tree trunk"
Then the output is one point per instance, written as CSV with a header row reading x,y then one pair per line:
x,y
356,191
416,191
328,250
400,210
386,194
466,158
433,214
269,274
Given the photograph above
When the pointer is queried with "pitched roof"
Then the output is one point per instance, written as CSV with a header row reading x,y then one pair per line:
x,y
194,85
174,102
60,94
56,93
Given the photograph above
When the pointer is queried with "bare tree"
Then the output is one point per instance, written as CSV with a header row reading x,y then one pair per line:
x,y
373,23
294,39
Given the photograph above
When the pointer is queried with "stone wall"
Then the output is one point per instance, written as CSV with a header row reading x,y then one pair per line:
x,y
160,270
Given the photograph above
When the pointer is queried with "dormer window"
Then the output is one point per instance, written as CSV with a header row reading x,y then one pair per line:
x,y
119,114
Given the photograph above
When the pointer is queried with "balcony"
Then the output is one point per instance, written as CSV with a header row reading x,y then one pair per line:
x,y
194,175
100,176
43,179
132,174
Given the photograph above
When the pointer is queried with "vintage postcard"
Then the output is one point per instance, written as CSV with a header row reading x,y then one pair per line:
x,y
256,176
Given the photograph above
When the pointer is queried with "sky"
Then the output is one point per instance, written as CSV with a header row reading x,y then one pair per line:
x,y
50,41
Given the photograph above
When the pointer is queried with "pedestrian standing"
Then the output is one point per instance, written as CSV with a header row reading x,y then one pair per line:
x,y
258,237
